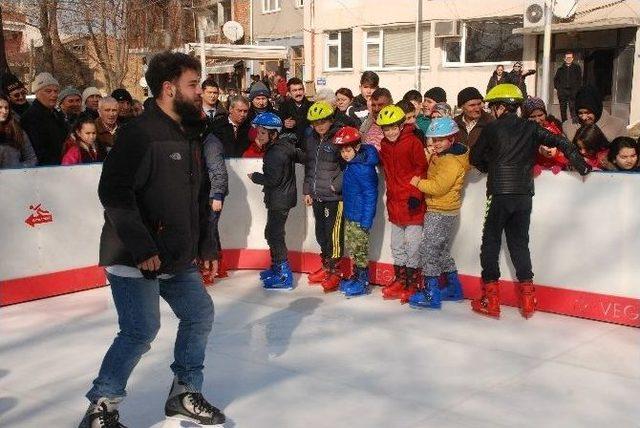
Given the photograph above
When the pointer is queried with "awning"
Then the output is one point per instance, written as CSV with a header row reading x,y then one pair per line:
x,y
222,67
565,27
239,52
593,15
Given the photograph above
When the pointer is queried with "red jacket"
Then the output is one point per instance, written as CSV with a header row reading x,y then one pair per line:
x,y
556,163
401,161
253,151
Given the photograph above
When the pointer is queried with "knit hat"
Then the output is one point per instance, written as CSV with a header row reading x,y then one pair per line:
x,y
42,80
437,94
91,90
122,94
258,89
531,104
10,83
517,64
67,92
467,94
588,98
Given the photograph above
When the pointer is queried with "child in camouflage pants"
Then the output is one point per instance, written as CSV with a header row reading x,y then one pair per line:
x,y
360,196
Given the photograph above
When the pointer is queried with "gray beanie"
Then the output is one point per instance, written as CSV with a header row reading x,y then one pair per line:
x,y
258,89
91,90
43,79
67,92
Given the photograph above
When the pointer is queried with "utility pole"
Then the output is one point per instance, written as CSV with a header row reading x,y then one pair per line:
x,y
546,52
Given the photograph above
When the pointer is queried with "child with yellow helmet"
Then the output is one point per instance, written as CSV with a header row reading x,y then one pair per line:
x,y
323,168
402,157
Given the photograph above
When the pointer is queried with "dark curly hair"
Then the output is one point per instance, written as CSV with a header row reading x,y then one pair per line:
x,y
168,67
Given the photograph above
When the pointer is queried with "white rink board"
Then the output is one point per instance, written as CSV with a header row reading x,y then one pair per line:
x,y
583,233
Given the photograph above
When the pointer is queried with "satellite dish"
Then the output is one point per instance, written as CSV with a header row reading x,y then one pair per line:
x,y
233,30
534,13
565,9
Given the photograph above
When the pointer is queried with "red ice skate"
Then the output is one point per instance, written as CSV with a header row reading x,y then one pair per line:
x,y
527,300
489,303
395,287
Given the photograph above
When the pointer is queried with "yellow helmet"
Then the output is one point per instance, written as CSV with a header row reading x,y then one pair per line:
x,y
319,110
505,92
390,115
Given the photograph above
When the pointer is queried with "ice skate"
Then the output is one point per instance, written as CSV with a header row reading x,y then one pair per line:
x,y
527,300
412,285
394,288
489,303
189,405
360,286
103,414
429,297
452,291
282,280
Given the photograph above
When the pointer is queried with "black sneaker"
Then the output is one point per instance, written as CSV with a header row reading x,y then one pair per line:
x,y
103,414
186,404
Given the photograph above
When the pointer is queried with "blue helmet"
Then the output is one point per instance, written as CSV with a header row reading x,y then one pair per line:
x,y
442,127
268,120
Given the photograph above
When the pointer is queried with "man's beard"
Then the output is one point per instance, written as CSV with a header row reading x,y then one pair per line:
x,y
187,110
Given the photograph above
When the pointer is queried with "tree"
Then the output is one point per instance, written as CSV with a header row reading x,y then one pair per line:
x,y
4,65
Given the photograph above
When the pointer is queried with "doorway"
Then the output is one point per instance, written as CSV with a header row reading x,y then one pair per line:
x,y
598,70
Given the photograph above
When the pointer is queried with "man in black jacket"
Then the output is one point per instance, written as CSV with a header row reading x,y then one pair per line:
x,y
43,124
233,129
293,111
506,150
155,201
567,81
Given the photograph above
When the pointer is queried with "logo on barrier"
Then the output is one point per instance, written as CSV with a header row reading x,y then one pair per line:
x,y
38,216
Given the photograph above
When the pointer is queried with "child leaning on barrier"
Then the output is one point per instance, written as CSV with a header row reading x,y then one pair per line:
x,y
448,164
359,195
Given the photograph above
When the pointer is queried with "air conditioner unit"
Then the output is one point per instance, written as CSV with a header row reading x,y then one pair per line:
x,y
444,29
533,13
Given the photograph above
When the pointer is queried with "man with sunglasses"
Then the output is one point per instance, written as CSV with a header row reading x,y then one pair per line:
x,y
16,92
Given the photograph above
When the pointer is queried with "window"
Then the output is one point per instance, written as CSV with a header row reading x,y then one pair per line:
x,y
339,50
486,41
269,6
299,3
396,47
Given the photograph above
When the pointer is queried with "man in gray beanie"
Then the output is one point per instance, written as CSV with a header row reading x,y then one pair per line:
x,y
473,117
44,125
91,96
259,98
70,104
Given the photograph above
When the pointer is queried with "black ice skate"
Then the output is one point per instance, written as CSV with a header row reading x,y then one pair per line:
x,y
186,404
103,414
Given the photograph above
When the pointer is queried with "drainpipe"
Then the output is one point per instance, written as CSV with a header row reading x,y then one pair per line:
x,y
416,82
202,20
546,52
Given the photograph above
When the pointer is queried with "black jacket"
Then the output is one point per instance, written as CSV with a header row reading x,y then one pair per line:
x,y
289,109
507,150
234,145
360,111
568,80
323,164
494,80
154,195
279,173
47,131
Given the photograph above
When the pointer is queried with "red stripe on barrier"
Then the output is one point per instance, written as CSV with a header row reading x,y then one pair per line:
x,y
583,304
51,284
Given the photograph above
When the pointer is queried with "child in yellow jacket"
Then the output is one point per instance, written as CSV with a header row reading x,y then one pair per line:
x,y
448,164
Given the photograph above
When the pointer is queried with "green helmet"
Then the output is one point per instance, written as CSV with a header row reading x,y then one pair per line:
x,y
390,115
506,93
319,110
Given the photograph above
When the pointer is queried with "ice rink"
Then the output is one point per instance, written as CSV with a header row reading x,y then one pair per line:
x,y
306,359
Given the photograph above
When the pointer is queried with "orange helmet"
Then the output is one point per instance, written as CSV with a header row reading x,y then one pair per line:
x,y
347,135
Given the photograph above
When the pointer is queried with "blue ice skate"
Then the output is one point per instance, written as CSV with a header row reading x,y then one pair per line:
x,y
452,291
429,297
360,285
268,272
281,280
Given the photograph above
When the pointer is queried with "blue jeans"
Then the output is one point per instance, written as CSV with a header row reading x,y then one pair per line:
x,y
138,305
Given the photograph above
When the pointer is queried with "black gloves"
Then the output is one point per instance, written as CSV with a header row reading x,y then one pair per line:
x,y
413,203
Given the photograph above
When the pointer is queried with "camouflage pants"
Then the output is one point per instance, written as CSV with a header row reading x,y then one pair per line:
x,y
357,243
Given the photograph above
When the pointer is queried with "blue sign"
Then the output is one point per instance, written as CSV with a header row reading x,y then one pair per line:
x,y
321,81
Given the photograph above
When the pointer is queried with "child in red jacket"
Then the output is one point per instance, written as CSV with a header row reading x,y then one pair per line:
x,y
549,158
402,157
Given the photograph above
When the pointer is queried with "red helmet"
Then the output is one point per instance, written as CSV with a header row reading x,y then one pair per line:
x,y
347,135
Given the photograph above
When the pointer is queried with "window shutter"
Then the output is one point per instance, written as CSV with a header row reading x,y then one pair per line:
x,y
399,47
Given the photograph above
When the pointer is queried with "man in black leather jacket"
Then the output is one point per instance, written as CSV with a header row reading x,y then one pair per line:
x,y
506,150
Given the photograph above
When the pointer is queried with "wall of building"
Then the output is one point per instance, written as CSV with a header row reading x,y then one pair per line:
x,y
359,15
286,22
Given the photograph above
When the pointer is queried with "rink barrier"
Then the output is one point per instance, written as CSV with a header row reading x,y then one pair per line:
x,y
583,238
594,306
